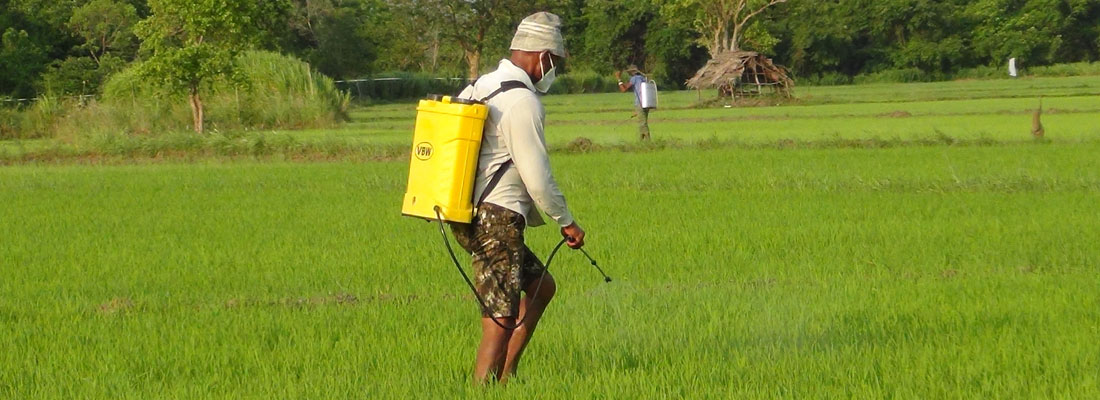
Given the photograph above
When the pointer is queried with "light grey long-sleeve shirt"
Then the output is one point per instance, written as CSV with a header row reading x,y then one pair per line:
x,y
514,130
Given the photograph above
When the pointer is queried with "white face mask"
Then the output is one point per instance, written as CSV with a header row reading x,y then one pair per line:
x,y
548,77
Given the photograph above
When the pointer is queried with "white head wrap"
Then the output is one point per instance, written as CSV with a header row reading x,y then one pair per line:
x,y
540,31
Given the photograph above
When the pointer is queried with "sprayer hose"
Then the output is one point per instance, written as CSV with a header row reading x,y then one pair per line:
x,y
470,283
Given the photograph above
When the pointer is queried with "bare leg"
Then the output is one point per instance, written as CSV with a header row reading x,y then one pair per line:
x,y
492,351
530,309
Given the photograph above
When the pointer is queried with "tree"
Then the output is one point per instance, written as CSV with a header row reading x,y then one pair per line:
x,y
79,75
1035,32
408,40
722,23
105,25
471,24
195,42
34,35
611,34
338,37
616,33
21,60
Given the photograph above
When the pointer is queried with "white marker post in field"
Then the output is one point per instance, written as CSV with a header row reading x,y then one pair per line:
x,y
1012,67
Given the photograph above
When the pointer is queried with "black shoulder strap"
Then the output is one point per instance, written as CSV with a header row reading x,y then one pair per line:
x,y
494,181
470,85
504,87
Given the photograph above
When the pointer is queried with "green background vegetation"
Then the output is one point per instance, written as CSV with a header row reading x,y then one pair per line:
x,y
272,91
876,240
65,55
819,250
67,48
869,115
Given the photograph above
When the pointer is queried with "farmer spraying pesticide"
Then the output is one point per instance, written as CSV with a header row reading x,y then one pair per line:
x,y
479,161
513,178
645,92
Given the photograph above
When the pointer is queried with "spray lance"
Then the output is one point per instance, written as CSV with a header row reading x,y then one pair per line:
x,y
593,261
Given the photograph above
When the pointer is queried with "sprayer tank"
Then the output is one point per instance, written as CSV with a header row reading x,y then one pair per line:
x,y
647,96
443,165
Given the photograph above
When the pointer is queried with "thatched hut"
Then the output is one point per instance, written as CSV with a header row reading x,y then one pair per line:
x,y
741,73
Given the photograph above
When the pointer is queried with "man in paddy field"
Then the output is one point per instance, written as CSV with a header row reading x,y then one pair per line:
x,y
513,178
637,78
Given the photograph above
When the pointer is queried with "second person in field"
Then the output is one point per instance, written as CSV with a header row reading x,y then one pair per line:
x,y
634,82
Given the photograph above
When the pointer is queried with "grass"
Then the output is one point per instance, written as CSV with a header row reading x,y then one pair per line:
x,y
924,272
988,111
743,267
993,110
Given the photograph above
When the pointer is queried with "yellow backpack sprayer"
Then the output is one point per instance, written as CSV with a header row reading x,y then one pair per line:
x,y
443,168
446,142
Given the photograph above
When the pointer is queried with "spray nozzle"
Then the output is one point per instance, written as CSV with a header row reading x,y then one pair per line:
x,y
593,261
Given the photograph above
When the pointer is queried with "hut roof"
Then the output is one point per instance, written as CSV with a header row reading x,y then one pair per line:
x,y
731,65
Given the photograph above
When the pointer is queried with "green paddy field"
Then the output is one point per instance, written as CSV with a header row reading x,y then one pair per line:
x,y
877,241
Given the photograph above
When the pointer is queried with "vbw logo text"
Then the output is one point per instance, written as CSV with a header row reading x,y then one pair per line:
x,y
423,151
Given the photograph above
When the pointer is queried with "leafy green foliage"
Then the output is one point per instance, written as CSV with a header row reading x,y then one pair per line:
x,y
722,25
1031,31
821,41
192,42
476,27
21,59
106,28
195,43
342,40
79,75
104,25
615,34
937,38
273,91
619,33
47,39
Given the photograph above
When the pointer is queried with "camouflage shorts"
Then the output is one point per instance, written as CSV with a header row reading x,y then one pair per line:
x,y
503,265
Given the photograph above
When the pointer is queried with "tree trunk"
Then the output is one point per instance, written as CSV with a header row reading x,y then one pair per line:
x,y
196,109
716,43
435,51
735,39
473,58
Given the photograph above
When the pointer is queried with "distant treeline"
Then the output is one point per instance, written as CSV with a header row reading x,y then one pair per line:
x,y
69,47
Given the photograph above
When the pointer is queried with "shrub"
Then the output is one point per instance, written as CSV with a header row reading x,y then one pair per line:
x,y
983,72
9,123
79,75
576,82
37,120
1072,69
284,92
278,92
827,79
904,75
